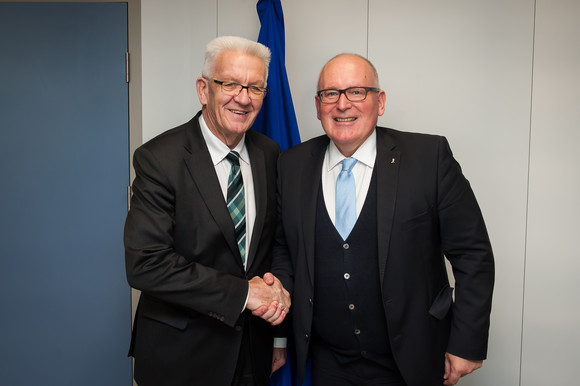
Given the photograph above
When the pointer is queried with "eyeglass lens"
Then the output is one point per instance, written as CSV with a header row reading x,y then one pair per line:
x,y
353,94
235,89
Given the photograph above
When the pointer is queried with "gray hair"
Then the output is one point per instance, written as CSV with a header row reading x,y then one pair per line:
x,y
234,43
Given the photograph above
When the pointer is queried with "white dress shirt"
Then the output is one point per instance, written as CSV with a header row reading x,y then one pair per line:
x,y
218,152
362,171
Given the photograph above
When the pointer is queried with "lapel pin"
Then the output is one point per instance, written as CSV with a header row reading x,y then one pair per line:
x,y
393,160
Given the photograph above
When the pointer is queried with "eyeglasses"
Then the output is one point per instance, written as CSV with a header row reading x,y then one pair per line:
x,y
353,94
234,89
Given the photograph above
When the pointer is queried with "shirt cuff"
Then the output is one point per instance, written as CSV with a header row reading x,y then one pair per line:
x,y
280,342
246,302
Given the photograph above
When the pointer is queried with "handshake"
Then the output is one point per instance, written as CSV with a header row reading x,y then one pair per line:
x,y
268,299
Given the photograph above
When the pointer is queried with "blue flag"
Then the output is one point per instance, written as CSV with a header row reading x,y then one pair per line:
x,y
277,118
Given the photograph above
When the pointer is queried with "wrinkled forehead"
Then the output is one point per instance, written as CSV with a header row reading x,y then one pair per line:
x,y
236,64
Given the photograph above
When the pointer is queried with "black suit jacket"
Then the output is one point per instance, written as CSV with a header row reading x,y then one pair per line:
x,y
426,209
182,254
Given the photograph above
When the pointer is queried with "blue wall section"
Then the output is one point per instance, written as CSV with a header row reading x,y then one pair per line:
x,y
64,166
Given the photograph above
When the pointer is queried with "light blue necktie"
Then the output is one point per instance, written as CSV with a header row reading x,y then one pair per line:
x,y
345,199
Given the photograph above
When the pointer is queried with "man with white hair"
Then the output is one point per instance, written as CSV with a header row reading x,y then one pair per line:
x,y
199,234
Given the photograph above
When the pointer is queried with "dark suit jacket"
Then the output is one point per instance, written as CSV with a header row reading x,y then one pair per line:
x,y
181,253
426,209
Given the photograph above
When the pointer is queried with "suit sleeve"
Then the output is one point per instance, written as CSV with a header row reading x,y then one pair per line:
x,y
466,244
281,261
152,263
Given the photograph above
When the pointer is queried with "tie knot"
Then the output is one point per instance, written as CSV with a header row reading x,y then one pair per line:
x,y
233,157
347,164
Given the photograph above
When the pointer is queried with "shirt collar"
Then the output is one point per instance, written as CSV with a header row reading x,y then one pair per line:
x,y
366,153
219,150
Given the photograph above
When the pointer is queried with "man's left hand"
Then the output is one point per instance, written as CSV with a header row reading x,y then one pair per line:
x,y
456,367
278,358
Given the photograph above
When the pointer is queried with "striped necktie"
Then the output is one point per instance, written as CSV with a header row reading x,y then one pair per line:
x,y
236,202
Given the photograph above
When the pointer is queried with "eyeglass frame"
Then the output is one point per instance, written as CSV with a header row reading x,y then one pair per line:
x,y
344,90
263,90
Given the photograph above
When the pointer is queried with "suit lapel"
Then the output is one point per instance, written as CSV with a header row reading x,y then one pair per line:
x,y
311,174
203,173
387,164
260,192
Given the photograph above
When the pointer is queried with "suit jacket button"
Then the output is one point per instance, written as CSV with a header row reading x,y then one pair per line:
x,y
307,336
238,328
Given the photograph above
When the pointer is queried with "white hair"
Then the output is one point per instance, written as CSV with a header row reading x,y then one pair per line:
x,y
234,43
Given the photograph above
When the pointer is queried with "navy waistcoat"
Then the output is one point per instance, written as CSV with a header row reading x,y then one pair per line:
x,y
349,317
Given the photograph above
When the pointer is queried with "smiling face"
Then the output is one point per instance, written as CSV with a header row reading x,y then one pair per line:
x,y
229,117
348,124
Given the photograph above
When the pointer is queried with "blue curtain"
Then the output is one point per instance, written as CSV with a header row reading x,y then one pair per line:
x,y
277,118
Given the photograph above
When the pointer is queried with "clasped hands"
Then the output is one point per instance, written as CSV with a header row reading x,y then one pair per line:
x,y
268,299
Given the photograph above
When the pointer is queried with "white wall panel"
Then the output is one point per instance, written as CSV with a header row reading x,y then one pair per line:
x,y
174,35
463,69
238,17
317,30
552,314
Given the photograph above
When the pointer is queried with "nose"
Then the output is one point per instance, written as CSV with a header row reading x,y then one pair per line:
x,y
243,96
343,103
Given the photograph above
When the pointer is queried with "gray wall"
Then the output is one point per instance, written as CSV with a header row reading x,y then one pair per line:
x,y
499,78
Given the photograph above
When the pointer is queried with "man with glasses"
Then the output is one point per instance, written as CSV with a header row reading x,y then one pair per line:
x,y
367,215
199,234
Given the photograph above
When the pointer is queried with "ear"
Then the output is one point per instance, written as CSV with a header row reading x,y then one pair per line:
x,y
317,102
382,101
202,90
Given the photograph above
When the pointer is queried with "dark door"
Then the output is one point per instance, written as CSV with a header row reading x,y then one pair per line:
x,y
65,309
